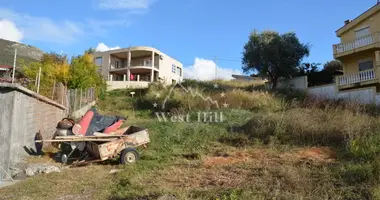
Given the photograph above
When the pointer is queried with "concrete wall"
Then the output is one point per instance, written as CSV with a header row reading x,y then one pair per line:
x,y
81,111
377,99
166,70
299,83
6,108
362,96
112,85
22,114
106,61
324,91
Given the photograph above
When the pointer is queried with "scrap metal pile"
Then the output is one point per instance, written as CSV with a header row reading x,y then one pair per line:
x,y
97,138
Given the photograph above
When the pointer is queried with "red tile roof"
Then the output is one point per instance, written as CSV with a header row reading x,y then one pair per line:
x,y
6,67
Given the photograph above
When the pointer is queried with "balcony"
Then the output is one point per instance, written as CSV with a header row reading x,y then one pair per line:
x,y
361,78
359,44
141,63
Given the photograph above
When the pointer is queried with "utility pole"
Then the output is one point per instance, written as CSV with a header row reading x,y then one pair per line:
x,y
14,66
216,67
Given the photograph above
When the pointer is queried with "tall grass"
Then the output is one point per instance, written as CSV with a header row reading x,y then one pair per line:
x,y
255,116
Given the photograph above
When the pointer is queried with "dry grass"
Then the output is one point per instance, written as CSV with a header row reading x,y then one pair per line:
x,y
92,182
259,173
312,126
271,146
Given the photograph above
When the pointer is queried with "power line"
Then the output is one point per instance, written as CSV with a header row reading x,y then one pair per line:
x,y
228,59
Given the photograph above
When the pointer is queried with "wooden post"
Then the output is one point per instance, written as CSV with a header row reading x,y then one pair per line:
x,y
75,99
52,94
35,82
14,66
39,80
80,99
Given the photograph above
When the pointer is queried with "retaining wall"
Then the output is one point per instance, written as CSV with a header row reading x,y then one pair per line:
x,y
22,114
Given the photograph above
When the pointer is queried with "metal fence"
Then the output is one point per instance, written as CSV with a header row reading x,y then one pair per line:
x,y
78,98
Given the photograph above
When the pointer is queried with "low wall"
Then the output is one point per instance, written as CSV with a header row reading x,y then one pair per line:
x,y
299,83
377,99
80,112
324,91
112,85
363,95
22,114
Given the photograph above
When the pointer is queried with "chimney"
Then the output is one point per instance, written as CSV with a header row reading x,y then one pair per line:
x,y
348,21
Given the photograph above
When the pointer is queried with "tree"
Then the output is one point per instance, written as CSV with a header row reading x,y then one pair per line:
x,y
273,55
84,72
54,68
334,65
308,68
90,50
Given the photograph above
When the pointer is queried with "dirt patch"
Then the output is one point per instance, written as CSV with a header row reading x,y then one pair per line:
x,y
227,159
264,169
316,155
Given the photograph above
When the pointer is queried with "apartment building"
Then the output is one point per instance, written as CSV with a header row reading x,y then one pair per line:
x,y
359,51
136,67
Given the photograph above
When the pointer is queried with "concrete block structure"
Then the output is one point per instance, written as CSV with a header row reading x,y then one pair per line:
x,y
136,67
23,113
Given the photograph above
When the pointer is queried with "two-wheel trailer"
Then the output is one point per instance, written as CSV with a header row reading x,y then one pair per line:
x,y
100,146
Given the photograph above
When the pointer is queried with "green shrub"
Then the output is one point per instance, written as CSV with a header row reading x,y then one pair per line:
x,y
366,146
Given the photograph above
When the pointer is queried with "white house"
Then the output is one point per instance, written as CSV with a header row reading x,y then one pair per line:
x,y
136,67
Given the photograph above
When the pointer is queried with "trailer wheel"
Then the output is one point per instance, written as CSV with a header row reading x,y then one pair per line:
x,y
129,156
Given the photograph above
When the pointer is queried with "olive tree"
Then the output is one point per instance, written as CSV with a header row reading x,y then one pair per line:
x,y
273,55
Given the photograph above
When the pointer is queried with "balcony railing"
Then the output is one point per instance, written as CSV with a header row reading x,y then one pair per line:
x,y
361,76
134,63
357,43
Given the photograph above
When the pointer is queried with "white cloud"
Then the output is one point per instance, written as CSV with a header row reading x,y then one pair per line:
x,y
65,31
103,47
44,29
124,4
204,69
9,31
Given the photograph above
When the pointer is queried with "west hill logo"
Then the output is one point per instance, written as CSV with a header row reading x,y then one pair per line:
x,y
201,116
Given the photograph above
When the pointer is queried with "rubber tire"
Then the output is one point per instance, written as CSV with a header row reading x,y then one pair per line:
x,y
125,152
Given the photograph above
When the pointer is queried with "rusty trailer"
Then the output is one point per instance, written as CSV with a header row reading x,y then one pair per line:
x,y
101,147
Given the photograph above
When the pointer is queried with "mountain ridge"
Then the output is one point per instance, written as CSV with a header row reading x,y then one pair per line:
x,y
24,52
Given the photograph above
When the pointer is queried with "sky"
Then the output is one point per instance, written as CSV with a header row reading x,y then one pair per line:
x,y
195,32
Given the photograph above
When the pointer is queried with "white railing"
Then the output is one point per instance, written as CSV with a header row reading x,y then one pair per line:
x,y
142,62
357,77
357,43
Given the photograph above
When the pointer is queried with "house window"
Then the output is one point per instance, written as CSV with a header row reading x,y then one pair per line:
x,y
179,71
117,64
148,62
364,65
362,32
173,68
99,61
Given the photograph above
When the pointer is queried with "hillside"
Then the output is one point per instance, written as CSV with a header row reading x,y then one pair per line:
x,y
24,51
282,145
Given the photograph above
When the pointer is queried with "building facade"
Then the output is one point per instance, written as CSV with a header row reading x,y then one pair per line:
x,y
136,67
359,51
